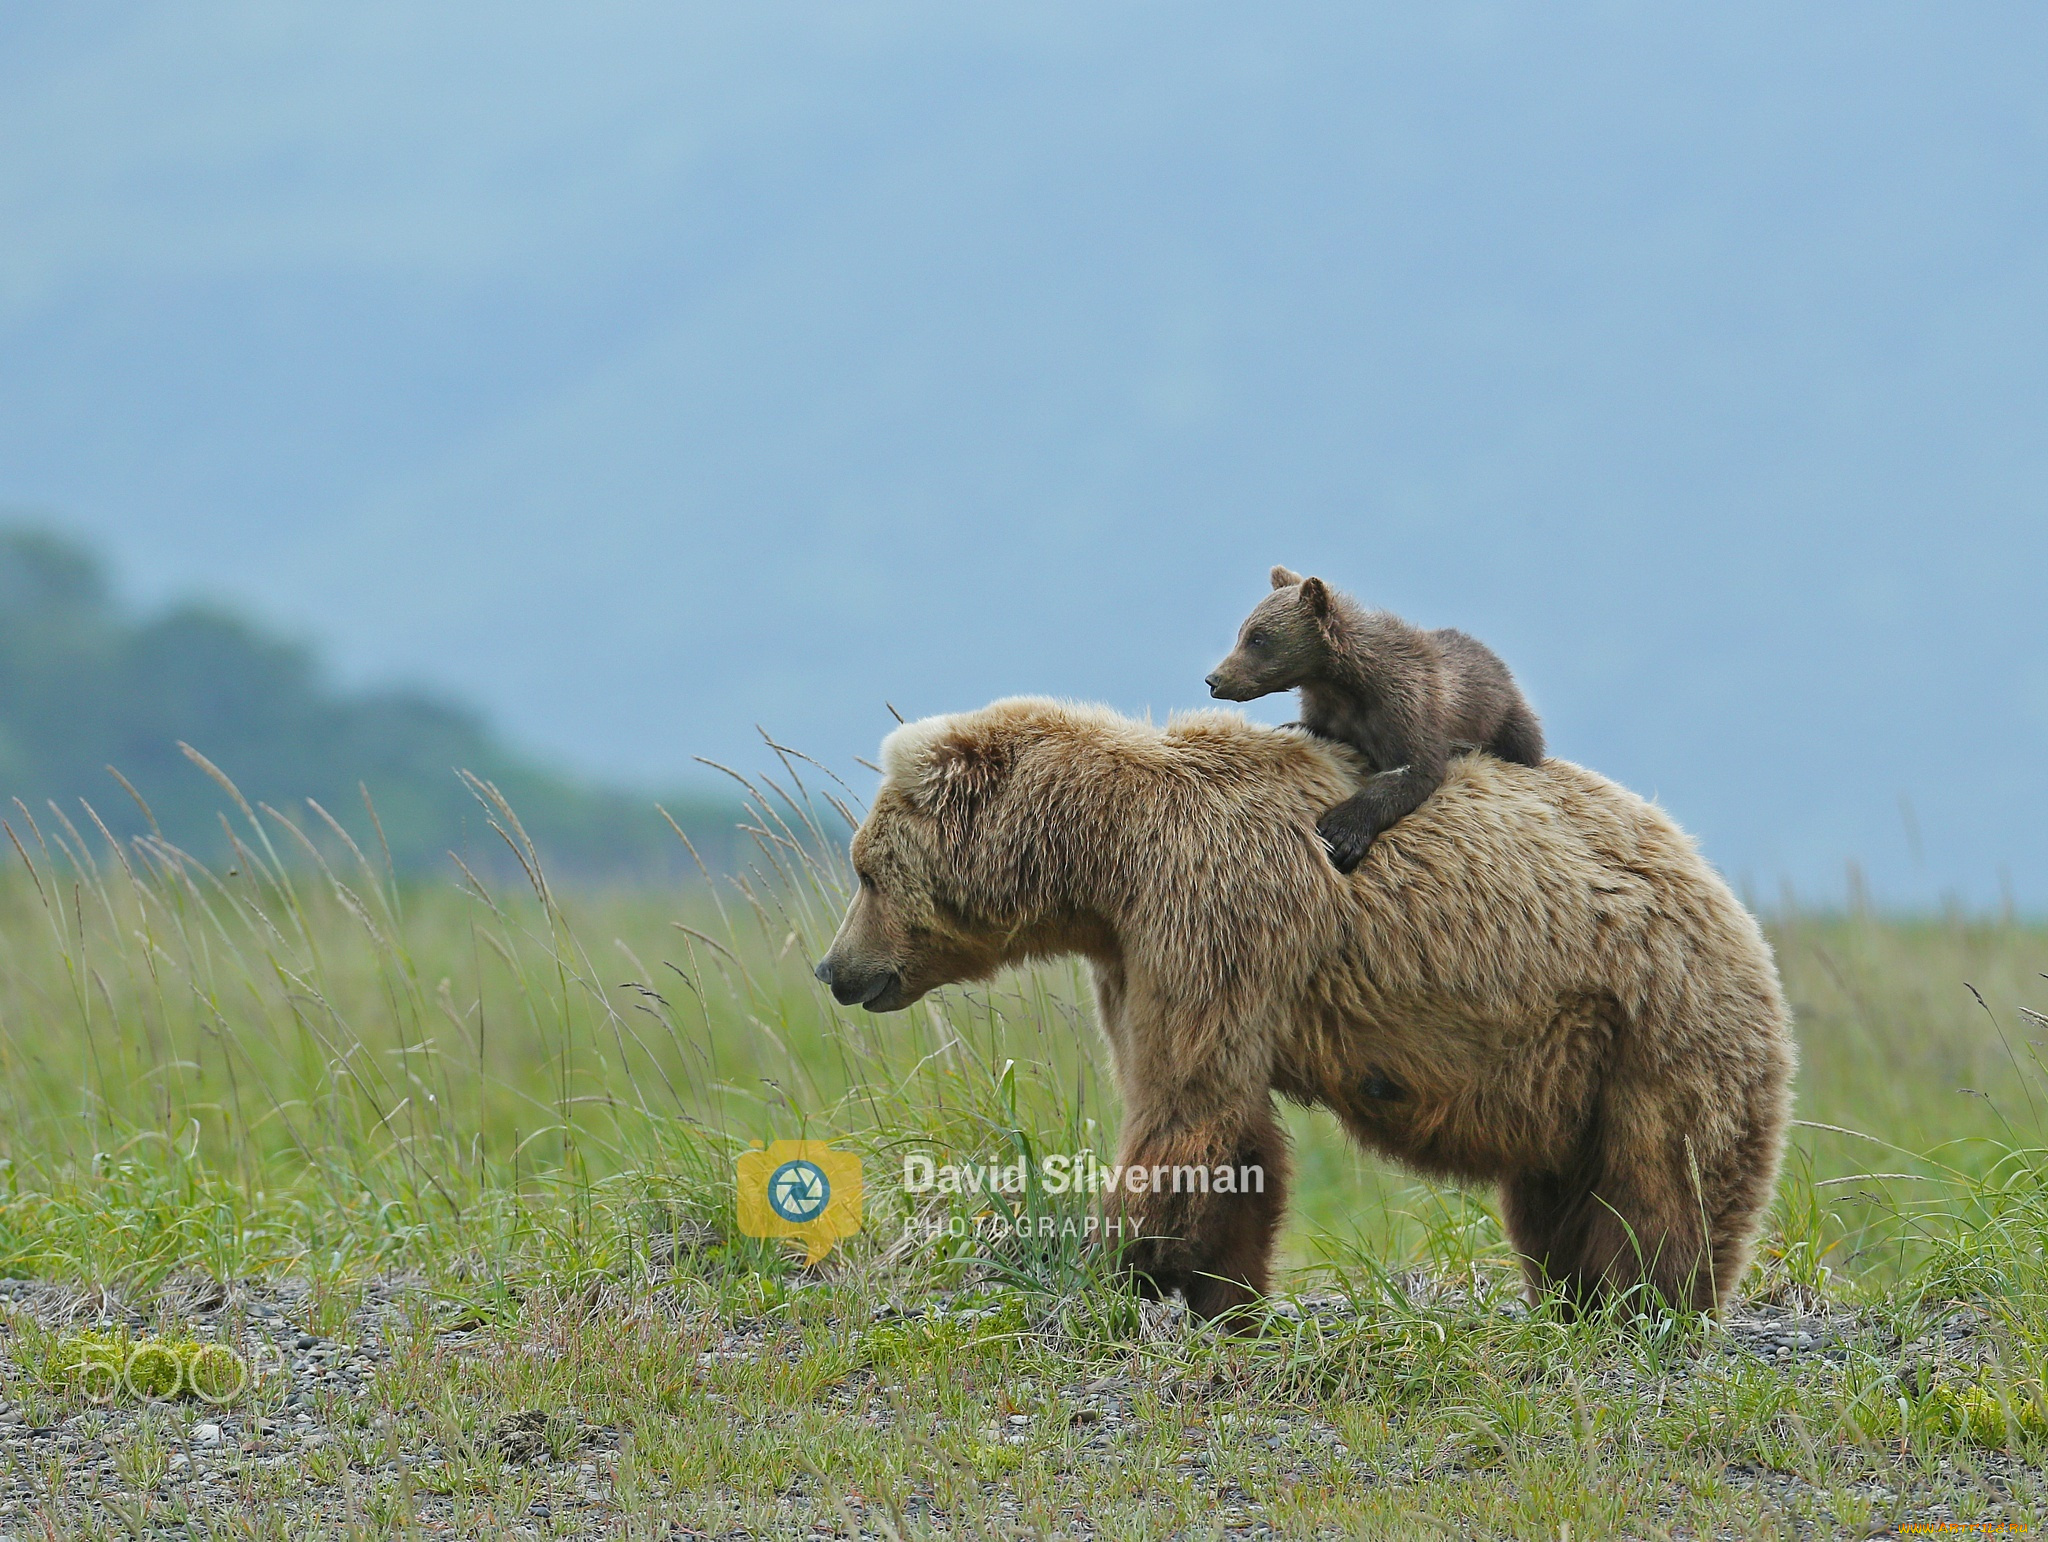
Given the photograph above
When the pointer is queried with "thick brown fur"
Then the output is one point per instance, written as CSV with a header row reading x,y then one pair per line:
x,y
1534,980
1405,699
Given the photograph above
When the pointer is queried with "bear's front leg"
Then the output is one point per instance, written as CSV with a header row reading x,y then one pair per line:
x,y
1197,1209
1349,829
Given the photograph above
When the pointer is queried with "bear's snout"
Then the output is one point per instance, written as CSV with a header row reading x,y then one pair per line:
x,y
854,986
1225,687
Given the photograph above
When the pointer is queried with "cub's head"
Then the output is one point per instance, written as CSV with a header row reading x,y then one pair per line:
x,y
938,901
1283,643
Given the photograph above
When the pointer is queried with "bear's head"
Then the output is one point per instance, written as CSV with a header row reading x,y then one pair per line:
x,y
1283,643
945,858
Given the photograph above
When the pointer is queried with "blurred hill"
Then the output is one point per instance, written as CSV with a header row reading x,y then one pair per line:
x,y
85,684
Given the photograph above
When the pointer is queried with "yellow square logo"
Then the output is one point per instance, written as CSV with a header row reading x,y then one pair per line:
x,y
802,1189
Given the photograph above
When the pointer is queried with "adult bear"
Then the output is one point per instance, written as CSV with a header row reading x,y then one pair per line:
x,y
1534,979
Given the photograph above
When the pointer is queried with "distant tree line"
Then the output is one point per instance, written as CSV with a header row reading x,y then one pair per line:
x,y
86,685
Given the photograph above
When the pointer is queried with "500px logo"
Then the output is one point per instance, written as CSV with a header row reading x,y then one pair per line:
x,y
152,1371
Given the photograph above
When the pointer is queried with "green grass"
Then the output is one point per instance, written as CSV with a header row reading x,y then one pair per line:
x,y
522,1107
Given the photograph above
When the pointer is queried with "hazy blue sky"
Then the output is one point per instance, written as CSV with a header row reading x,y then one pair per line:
x,y
643,372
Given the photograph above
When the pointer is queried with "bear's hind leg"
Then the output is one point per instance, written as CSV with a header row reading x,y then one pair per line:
x,y
1519,737
1590,1240
1747,1176
1626,1246
1541,1214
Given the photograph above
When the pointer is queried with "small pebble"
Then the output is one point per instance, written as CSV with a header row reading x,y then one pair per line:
x,y
206,1434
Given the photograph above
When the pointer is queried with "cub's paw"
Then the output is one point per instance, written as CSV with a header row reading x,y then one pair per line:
x,y
1346,838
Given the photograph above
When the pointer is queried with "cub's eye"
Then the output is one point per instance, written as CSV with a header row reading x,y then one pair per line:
x,y
1256,639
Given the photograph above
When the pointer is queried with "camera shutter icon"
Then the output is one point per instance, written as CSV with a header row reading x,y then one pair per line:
x,y
801,1189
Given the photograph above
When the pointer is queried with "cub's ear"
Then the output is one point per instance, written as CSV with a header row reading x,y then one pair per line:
x,y
1282,577
1316,595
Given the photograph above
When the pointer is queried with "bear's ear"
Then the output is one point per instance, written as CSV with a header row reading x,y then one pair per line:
x,y
1282,577
961,773
1316,595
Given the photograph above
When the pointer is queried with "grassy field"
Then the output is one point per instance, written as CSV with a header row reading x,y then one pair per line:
x,y
451,1166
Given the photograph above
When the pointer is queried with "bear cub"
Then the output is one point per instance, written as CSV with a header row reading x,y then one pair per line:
x,y
1405,699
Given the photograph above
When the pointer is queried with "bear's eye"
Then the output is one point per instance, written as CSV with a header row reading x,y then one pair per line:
x,y
1256,639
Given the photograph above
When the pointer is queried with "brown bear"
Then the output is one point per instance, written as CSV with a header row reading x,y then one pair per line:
x,y
1405,699
1534,980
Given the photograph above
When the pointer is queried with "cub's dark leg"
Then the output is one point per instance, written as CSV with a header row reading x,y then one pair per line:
x,y
1349,829
1519,737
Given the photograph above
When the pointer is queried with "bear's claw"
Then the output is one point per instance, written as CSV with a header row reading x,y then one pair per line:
x,y
1346,844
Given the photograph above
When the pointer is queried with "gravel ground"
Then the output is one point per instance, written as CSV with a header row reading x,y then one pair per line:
x,y
298,1451
175,1469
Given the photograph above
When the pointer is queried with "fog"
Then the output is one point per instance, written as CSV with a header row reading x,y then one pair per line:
x,y
644,373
